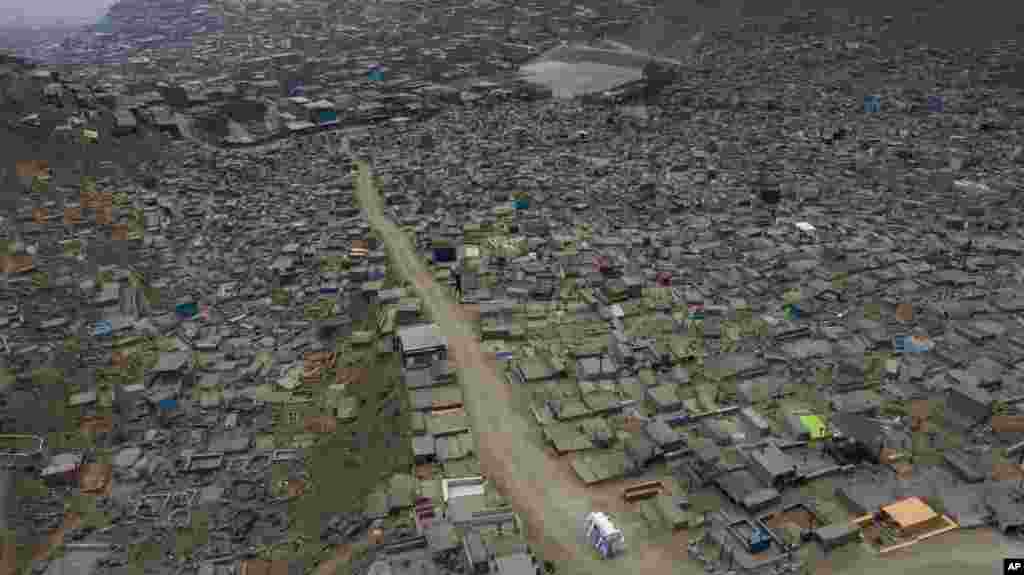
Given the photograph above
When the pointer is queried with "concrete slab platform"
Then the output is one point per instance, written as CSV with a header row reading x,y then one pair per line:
x,y
569,80
574,70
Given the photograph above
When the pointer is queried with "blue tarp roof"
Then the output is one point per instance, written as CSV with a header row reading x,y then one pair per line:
x,y
103,327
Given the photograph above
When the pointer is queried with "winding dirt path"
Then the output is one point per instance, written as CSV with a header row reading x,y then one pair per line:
x,y
551,506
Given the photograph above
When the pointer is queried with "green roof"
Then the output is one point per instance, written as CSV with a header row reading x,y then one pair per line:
x,y
815,426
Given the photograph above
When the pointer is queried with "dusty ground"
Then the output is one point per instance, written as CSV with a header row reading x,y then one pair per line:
x,y
973,551
551,500
800,517
552,509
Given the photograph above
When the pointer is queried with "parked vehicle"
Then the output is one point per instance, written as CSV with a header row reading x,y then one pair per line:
x,y
603,535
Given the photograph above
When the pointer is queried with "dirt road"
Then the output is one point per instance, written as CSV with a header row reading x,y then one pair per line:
x,y
552,502
552,510
974,551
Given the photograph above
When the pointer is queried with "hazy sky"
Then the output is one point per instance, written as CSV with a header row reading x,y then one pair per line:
x,y
46,12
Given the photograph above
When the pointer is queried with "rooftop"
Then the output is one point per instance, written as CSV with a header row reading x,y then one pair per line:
x,y
421,338
909,512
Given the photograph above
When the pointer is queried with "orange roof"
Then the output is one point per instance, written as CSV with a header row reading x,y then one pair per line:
x,y
319,357
260,567
72,215
96,424
320,424
30,168
1008,423
909,512
16,264
95,478
296,487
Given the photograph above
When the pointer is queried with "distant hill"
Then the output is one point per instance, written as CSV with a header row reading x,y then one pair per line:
x,y
23,39
134,23
950,24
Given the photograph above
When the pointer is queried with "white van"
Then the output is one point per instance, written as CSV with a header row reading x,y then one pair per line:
x,y
600,532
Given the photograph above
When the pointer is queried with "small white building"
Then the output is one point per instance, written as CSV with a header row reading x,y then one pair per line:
x,y
806,231
421,345
63,467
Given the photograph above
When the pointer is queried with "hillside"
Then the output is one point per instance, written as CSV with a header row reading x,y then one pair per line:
x,y
948,26
19,97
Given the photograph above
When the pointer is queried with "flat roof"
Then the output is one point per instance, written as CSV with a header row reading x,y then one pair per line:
x,y
773,460
909,512
421,338
516,564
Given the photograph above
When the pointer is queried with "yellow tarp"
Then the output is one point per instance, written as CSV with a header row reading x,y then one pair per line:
x,y
909,512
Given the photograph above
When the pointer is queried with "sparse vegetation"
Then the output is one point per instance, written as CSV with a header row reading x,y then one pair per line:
x,y
840,281
340,454
73,345
334,264
29,487
280,296
321,309
71,439
792,296
874,367
40,280
85,508
72,248
104,277
925,449
730,337
152,295
895,409
40,184
139,554
47,376
136,280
